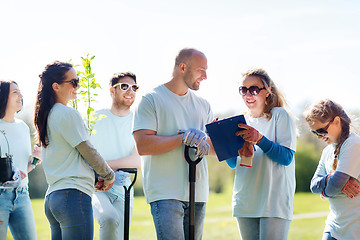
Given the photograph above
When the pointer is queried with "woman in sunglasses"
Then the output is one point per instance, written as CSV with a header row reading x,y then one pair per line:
x,y
15,206
264,187
67,155
338,173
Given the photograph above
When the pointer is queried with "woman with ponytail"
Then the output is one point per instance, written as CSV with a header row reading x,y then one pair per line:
x,y
338,173
68,157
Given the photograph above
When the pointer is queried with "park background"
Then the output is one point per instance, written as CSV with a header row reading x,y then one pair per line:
x,y
309,48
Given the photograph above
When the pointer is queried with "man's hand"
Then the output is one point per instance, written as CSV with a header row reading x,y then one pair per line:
x,y
192,137
249,134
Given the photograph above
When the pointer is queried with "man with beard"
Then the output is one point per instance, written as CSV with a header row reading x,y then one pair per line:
x,y
114,141
160,115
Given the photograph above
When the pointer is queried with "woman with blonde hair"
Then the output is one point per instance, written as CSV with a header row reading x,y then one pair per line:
x,y
338,173
264,187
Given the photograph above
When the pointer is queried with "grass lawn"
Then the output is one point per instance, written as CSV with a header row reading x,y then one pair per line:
x,y
219,223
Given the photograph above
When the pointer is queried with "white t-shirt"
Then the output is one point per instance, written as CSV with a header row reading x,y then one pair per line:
x,y
267,188
343,221
18,136
63,164
113,140
166,176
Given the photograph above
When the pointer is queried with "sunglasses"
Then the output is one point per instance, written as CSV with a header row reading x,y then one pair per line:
x,y
126,86
74,82
253,90
322,132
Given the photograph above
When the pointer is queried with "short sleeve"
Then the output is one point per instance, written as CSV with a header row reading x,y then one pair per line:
x,y
285,130
71,126
349,158
145,114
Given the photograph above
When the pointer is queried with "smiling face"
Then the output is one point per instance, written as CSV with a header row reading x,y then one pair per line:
x,y
121,97
14,103
195,71
333,129
66,90
255,103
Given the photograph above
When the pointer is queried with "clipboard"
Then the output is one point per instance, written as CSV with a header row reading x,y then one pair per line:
x,y
223,137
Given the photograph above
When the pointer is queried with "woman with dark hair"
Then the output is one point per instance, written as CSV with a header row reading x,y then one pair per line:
x,y
338,173
68,157
264,185
15,206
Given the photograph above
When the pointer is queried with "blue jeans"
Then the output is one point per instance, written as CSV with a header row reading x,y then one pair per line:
x,y
16,212
171,219
109,213
263,228
70,215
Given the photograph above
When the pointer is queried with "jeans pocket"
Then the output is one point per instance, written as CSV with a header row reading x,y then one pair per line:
x,y
59,202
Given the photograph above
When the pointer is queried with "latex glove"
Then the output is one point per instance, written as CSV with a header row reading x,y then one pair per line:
x,y
120,178
15,179
202,149
351,188
249,134
246,154
192,137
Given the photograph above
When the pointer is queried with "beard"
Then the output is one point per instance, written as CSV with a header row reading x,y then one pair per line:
x,y
190,81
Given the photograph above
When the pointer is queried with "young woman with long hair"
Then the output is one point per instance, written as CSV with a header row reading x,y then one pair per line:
x,y
68,157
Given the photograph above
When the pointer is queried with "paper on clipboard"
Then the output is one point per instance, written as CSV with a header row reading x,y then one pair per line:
x,y
223,137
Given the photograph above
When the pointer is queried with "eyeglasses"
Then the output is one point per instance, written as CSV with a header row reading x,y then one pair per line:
x,y
74,82
125,86
322,132
253,90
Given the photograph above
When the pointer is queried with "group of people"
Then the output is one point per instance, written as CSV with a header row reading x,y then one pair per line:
x,y
168,118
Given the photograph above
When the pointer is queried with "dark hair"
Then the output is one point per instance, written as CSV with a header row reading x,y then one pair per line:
x,y
4,96
325,111
275,98
185,55
117,76
45,100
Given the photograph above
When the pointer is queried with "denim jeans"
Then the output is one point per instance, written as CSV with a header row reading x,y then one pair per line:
x,y
171,219
16,212
109,213
70,215
263,228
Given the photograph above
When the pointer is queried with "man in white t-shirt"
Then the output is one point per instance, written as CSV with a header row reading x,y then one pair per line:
x,y
160,115
114,141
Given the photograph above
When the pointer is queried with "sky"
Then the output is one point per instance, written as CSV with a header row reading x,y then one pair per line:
x,y
309,48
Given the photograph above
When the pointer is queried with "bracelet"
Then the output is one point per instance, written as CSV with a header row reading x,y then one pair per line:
x,y
260,139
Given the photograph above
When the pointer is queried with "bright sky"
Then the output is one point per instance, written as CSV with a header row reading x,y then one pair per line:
x,y
310,48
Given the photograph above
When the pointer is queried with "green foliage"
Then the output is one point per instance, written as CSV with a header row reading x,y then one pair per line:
x,y
307,157
88,86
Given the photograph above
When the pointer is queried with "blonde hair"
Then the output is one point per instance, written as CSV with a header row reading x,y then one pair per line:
x,y
325,111
275,98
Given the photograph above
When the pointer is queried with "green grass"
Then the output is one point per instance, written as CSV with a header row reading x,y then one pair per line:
x,y
219,223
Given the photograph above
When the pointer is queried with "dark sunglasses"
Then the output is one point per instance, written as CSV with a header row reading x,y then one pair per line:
x,y
74,82
125,86
253,90
322,132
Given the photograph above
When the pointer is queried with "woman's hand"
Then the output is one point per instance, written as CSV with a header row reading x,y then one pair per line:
x,y
249,134
351,188
37,154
